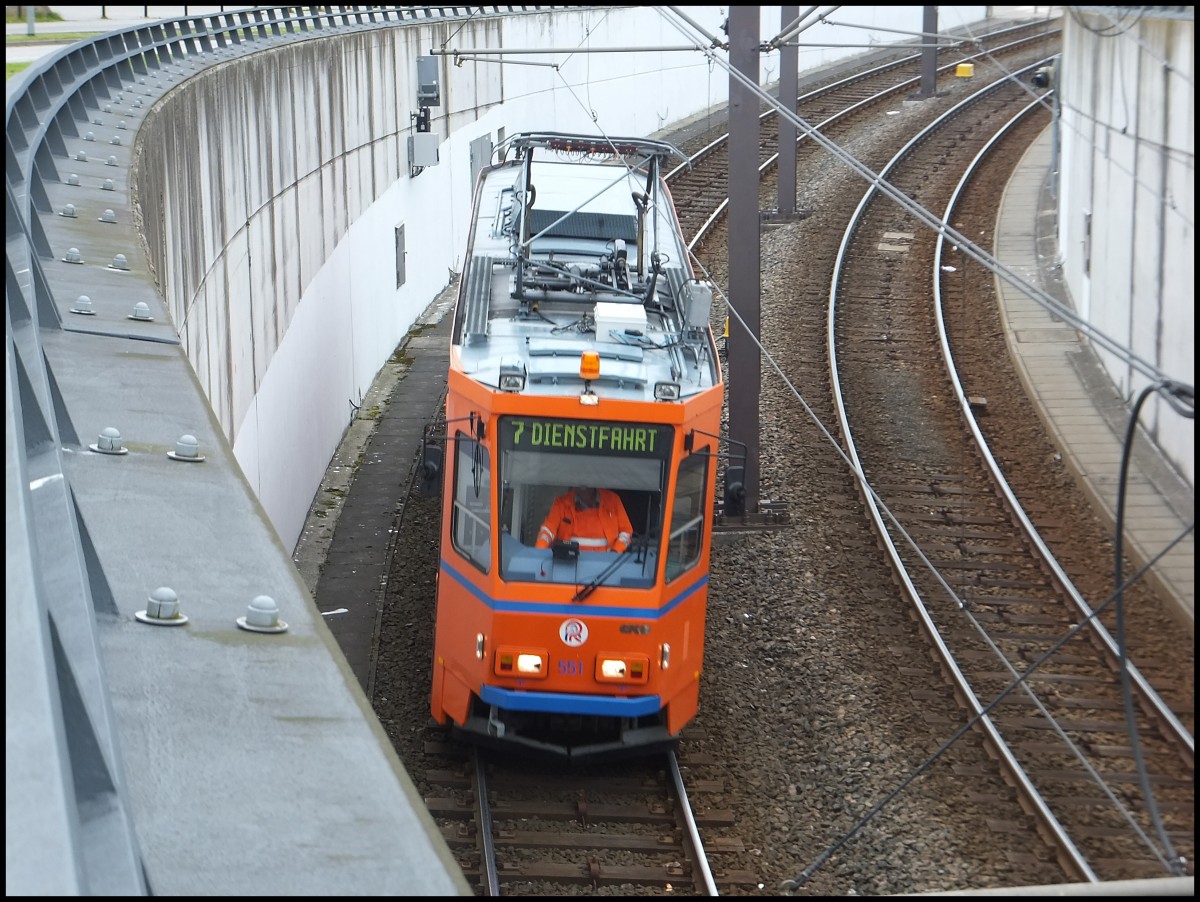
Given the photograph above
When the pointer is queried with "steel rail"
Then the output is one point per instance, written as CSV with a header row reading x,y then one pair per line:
x,y
1159,709
693,843
765,166
859,76
1152,702
63,585
487,847
1048,823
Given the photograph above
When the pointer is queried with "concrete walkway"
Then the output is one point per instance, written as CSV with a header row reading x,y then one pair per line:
x,y
1077,400
345,547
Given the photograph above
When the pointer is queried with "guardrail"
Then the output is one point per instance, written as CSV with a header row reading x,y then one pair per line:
x,y
70,824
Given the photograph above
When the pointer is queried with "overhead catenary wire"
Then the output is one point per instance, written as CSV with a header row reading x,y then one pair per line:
x,y
886,188
1129,33
1169,859
795,26
952,41
1113,132
962,606
675,16
829,852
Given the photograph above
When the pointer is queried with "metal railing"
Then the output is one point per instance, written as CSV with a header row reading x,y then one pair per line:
x,y
66,782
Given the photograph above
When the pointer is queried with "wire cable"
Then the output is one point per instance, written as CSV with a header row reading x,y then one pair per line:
x,y
941,226
829,852
1127,355
1188,159
1177,864
963,607
462,26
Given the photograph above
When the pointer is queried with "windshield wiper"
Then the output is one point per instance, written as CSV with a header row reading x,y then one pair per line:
x,y
639,545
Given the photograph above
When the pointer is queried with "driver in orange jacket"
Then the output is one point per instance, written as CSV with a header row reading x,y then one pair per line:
x,y
594,518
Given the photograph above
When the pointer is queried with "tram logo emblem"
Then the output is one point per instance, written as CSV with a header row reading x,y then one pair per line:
x,y
573,632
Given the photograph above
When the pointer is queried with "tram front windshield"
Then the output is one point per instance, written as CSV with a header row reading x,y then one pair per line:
x,y
543,459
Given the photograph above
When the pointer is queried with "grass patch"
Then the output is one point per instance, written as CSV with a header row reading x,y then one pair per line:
x,y
11,69
51,37
39,15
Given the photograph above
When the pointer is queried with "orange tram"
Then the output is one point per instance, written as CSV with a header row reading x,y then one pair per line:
x,y
581,355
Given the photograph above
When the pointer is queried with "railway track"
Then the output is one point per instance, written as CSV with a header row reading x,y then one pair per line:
x,y
993,600
829,737
531,828
700,187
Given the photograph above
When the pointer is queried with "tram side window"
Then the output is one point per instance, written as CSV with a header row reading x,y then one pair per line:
x,y
472,514
687,516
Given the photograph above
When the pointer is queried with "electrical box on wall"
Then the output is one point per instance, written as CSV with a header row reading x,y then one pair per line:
x,y
422,150
428,91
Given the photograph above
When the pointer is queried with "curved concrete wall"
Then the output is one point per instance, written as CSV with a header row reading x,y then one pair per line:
x,y
1127,199
271,189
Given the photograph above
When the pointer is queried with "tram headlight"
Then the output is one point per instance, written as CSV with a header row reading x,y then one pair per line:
x,y
666,391
525,663
613,668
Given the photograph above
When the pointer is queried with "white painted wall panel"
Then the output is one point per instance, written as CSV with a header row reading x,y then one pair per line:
x,y
289,215
308,230
217,318
236,179
277,108
263,298
1128,151
245,350
194,339
1076,131
1179,238
278,447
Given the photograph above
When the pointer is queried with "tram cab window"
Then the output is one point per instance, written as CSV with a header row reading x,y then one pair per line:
x,y
471,524
684,542
542,459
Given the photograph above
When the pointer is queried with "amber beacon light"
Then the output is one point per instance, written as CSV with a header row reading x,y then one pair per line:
x,y
589,366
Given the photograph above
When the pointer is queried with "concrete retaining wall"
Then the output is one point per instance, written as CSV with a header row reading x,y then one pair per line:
x,y
1127,201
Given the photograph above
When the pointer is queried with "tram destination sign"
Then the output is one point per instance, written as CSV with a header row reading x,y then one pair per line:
x,y
585,437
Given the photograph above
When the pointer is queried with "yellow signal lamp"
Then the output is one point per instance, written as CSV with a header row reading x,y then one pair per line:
x,y
589,366
589,369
